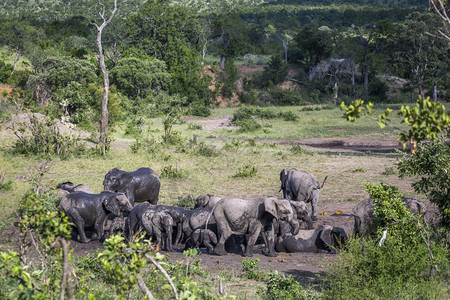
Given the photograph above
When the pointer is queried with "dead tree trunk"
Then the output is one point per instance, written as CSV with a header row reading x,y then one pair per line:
x,y
103,141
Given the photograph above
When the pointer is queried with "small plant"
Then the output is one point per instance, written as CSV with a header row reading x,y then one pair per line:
x,y
5,185
171,172
149,145
250,269
289,116
205,150
233,145
248,125
296,149
389,171
246,171
283,287
187,202
359,170
195,126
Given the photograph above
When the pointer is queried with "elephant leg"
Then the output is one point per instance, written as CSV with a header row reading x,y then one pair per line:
x,y
179,231
220,247
79,222
269,240
251,238
209,247
314,209
99,229
169,239
195,238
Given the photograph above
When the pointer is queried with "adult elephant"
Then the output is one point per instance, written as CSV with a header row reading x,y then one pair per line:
x,y
301,186
139,186
249,218
90,210
324,238
363,214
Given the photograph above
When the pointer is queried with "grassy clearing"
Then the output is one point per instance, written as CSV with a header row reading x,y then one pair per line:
x,y
215,175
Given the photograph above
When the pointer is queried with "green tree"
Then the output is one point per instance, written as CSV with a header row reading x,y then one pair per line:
x,y
137,77
417,56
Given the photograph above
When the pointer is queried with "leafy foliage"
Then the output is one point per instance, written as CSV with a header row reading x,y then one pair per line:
x,y
246,171
369,267
280,286
430,163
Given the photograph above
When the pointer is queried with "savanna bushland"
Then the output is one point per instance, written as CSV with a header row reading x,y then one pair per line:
x,y
218,99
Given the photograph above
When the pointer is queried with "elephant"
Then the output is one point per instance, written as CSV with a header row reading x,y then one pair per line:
x,y
68,187
133,221
206,201
87,210
363,214
249,218
204,237
117,226
159,224
198,218
324,238
301,186
139,186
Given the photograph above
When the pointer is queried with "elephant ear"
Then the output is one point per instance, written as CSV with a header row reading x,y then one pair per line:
x,y
112,204
271,207
326,235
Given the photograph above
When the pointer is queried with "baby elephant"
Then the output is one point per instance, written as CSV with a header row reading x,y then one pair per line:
x,y
159,224
204,237
323,238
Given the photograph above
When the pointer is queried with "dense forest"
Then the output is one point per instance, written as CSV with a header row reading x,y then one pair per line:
x,y
157,51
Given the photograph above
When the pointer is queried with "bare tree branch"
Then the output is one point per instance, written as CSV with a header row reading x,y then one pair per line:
x,y
152,259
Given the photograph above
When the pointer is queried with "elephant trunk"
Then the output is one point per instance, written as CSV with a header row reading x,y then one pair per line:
x,y
295,227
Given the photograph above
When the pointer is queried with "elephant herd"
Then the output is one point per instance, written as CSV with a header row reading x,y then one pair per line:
x,y
221,224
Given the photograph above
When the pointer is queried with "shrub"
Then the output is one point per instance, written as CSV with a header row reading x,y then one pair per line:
x,y
389,171
289,116
431,164
296,149
195,126
149,145
283,287
205,150
5,185
249,125
359,170
372,267
250,269
246,171
276,95
42,137
171,172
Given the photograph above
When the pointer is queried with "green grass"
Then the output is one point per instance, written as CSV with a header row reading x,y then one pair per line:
x,y
8,57
215,174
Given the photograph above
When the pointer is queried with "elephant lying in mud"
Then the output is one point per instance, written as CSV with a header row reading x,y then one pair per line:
x,y
324,238
363,214
139,186
90,210
249,218
301,186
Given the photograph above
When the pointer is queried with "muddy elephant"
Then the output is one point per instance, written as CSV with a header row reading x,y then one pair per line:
x,y
206,201
363,214
139,186
301,186
249,218
204,237
133,222
195,219
324,238
90,210
68,187
159,224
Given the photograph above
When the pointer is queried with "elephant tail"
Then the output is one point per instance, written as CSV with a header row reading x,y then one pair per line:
x,y
323,182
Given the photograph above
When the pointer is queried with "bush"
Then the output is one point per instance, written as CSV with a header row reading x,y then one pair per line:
x,y
246,171
148,145
289,116
187,202
42,137
399,267
276,95
431,164
249,125
377,90
282,287
250,269
5,185
171,172
204,150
